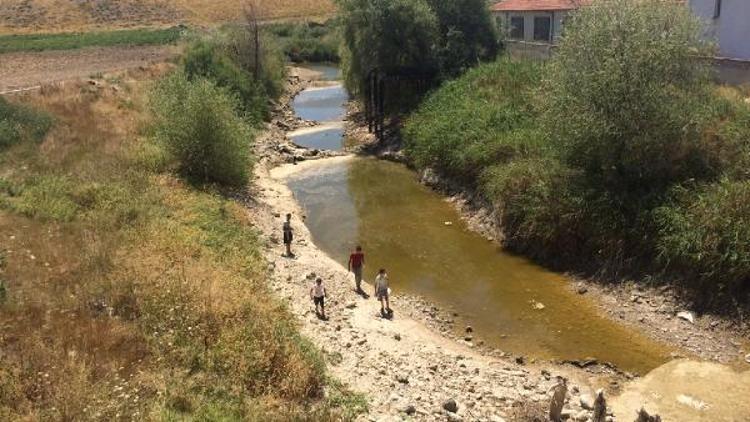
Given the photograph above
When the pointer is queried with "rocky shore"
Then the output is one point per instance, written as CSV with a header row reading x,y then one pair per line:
x,y
423,364
413,366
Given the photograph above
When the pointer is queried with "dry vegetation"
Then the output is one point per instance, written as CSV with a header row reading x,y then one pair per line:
x,y
24,16
127,294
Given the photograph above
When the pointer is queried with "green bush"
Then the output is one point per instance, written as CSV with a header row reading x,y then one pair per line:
x,y
467,34
19,122
205,59
481,119
625,98
47,197
199,126
267,65
705,233
307,41
541,215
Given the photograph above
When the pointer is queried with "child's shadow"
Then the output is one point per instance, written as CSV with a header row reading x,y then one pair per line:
x,y
362,293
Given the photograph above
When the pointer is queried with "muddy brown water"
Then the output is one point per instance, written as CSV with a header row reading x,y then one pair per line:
x,y
402,226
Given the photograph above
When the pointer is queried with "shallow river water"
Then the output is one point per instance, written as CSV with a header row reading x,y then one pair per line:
x,y
402,227
426,248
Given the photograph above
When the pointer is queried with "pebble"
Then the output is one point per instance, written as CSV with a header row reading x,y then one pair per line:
x,y
450,405
410,410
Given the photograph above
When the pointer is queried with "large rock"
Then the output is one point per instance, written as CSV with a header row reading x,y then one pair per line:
x,y
450,405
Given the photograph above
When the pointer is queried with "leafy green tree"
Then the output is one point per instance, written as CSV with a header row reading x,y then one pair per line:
x,y
467,34
627,101
387,35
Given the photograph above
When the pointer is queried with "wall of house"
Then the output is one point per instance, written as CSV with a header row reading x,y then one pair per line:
x,y
503,18
731,29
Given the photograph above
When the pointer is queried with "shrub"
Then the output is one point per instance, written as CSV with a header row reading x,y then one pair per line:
x,y
19,122
541,215
484,118
307,41
198,123
266,66
206,59
624,96
705,233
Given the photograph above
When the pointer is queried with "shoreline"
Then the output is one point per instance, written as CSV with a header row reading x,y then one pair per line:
x,y
418,366
415,339
650,309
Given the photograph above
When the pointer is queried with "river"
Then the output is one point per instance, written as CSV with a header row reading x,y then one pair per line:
x,y
429,251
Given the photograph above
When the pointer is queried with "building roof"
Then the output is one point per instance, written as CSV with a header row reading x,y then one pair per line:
x,y
538,5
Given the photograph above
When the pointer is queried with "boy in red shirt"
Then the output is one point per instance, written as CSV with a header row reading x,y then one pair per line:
x,y
356,263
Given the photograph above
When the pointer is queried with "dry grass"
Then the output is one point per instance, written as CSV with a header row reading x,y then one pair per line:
x,y
131,295
25,16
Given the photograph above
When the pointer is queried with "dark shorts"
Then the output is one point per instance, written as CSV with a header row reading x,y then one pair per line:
x,y
383,294
319,301
288,237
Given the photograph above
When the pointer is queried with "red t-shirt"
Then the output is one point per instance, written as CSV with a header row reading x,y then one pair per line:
x,y
356,259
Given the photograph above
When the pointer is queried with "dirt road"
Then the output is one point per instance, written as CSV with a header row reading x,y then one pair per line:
x,y
26,70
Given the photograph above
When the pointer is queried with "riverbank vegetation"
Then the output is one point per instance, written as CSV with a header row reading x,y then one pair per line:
x,y
307,41
618,157
436,38
129,277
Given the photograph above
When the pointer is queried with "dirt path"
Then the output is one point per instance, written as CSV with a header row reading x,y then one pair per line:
x,y
32,69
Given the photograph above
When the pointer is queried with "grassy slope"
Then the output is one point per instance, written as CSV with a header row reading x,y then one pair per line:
x,y
130,294
30,16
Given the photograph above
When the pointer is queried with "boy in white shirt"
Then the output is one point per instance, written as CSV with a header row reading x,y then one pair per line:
x,y
318,295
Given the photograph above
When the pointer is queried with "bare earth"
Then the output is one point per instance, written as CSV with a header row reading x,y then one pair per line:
x,y
27,70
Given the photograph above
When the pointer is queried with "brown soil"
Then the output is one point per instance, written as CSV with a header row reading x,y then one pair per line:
x,y
29,70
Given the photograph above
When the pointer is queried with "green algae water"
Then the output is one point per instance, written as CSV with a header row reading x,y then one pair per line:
x,y
402,227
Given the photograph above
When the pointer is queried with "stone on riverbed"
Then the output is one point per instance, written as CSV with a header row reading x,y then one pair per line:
x,y
450,405
687,316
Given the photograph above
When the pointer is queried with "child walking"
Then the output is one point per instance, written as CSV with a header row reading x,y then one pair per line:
x,y
318,295
382,292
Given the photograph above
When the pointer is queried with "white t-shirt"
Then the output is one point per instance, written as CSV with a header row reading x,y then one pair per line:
x,y
319,290
381,283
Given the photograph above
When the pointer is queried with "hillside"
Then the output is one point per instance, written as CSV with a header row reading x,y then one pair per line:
x,y
24,16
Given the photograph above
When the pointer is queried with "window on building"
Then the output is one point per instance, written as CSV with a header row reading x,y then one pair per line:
x,y
516,27
542,25
717,9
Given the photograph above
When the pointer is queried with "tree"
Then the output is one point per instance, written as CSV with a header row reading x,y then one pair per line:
x,y
467,34
625,99
387,35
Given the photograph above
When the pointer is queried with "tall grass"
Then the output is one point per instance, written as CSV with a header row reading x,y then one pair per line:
x,y
70,41
129,294
18,122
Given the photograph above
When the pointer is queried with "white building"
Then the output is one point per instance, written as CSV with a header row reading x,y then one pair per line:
x,y
727,22
533,26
